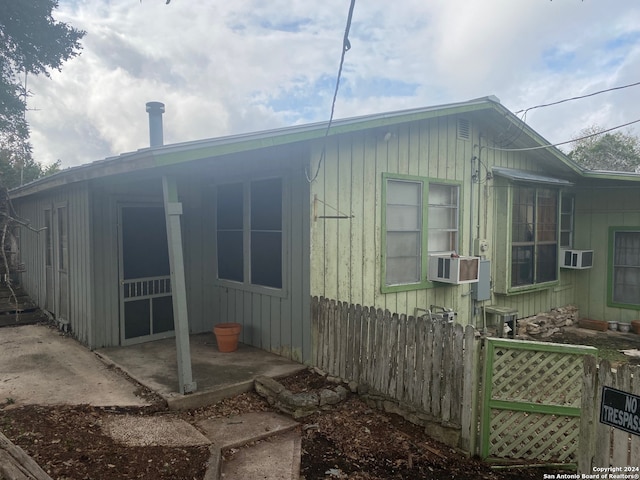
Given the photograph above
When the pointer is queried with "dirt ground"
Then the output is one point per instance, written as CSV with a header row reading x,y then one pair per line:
x,y
352,441
609,344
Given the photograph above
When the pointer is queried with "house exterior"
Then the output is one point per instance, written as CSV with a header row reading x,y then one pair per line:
x,y
257,224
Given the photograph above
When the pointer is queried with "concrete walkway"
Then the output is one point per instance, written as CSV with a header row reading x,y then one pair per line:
x,y
38,365
263,445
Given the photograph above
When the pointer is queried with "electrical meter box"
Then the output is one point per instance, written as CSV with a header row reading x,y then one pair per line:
x,y
481,290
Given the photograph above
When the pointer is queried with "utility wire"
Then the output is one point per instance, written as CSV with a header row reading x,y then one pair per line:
x,y
540,147
505,143
578,97
346,46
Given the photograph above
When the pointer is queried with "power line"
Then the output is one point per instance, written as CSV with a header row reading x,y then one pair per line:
x,y
621,87
346,46
540,147
524,112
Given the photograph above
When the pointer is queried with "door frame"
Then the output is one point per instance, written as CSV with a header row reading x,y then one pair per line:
x,y
57,298
155,287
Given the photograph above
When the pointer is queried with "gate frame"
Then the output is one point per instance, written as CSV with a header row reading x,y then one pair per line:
x,y
487,383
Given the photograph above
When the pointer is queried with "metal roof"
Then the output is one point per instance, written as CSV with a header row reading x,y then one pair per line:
x,y
486,109
524,176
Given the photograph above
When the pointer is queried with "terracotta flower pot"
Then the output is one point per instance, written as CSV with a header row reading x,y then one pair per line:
x,y
227,335
635,326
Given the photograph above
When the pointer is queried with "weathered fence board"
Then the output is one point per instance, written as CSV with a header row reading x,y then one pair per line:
x,y
605,445
419,362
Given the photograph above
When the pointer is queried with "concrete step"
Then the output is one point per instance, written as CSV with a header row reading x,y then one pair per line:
x,y
274,453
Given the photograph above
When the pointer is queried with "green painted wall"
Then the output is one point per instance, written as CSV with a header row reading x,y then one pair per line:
x,y
597,209
346,253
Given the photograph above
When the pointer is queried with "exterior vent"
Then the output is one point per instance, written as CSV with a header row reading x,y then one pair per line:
x,y
454,270
576,259
464,129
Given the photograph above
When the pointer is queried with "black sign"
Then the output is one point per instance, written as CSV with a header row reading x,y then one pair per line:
x,y
620,410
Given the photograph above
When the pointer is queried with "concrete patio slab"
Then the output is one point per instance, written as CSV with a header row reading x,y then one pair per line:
x,y
218,375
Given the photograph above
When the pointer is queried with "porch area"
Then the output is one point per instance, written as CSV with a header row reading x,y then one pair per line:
x,y
218,375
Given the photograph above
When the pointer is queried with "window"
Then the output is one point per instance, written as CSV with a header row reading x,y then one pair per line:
x,y
566,221
249,232
624,286
404,232
419,217
534,236
443,218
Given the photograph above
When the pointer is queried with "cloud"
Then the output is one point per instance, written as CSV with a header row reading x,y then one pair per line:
x,y
232,67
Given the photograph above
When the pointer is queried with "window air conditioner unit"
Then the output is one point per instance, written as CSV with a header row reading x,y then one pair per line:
x,y
452,269
576,259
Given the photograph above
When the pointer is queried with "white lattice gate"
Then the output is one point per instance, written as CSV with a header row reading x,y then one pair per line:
x,y
531,401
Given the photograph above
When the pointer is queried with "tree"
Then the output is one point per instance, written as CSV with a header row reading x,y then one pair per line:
x,y
614,151
31,43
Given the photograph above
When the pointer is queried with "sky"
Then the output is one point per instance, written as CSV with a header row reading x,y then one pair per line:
x,y
230,67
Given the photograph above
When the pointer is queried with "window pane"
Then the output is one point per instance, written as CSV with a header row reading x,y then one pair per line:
x,y
403,232
442,241
443,218
401,192
145,251
266,204
534,235
230,255
162,314
266,259
229,220
546,263
136,314
443,194
402,270
547,215
402,244
403,217
522,214
521,266
626,268
266,233
229,206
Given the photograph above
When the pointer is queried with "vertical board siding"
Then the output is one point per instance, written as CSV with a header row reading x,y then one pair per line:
x,y
598,209
427,366
277,323
32,251
346,253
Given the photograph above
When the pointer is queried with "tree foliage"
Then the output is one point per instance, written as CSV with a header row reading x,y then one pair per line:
x,y
613,151
32,42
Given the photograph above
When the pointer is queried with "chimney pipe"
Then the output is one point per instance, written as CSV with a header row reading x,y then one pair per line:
x,y
155,111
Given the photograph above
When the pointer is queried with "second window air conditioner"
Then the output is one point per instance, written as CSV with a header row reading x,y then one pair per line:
x,y
453,269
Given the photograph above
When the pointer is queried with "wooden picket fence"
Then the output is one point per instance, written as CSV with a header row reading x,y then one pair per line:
x,y
434,368
600,444
431,366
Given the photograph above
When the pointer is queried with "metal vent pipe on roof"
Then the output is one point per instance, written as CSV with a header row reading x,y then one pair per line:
x,y
155,111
